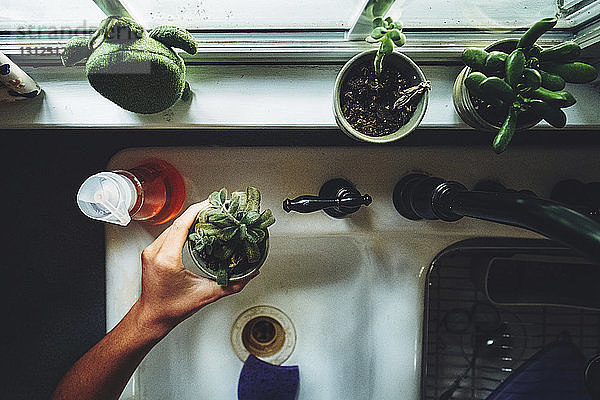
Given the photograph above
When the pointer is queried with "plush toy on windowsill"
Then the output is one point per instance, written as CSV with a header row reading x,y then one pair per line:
x,y
138,71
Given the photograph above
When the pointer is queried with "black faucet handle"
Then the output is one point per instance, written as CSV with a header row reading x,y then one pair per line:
x,y
308,204
337,197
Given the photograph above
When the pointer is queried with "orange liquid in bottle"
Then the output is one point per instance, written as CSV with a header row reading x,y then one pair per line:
x,y
160,191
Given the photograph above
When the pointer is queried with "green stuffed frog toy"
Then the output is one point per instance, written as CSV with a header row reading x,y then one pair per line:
x,y
138,71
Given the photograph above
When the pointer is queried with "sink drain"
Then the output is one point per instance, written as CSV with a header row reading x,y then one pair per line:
x,y
264,331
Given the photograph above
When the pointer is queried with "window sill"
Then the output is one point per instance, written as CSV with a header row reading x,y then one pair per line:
x,y
240,96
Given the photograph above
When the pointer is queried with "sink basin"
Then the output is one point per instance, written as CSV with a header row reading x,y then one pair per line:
x,y
326,297
353,288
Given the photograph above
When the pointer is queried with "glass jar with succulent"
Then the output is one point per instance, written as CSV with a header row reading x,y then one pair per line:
x,y
229,239
514,84
380,95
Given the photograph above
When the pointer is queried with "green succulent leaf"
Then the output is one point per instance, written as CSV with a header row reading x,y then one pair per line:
x,y
256,235
533,79
473,81
499,88
250,218
538,29
495,61
561,98
475,58
226,234
506,132
253,199
266,219
214,200
515,64
210,232
572,72
561,53
378,32
242,198
396,25
223,195
221,220
401,40
234,205
195,237
551,81
395,34
377,22
552,114
243,232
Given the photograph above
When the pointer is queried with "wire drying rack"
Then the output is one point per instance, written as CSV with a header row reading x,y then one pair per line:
x,y
451,332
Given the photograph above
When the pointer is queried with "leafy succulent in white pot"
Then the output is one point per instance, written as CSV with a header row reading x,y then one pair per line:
x,y
229,239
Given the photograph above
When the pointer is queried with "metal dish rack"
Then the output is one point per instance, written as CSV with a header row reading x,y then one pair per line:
x,y
523,330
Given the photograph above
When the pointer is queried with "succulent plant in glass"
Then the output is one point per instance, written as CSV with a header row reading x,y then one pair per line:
x,y
230,236
529,79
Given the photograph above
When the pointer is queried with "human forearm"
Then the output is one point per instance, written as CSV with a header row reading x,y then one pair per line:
x,y
169,294
103,372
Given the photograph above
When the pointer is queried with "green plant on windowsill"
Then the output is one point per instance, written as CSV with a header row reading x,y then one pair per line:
x,y
229,239
388,33
380,95
527,80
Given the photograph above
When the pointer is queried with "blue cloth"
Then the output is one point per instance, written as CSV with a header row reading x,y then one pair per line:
x,y
554,373
260,380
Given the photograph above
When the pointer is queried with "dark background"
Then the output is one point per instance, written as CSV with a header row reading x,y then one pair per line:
x,y
53,256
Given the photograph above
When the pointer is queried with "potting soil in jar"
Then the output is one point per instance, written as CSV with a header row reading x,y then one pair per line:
x,y
368,100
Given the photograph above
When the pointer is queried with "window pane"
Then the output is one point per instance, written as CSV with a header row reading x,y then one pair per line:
x,y
254,14
32,16
484,14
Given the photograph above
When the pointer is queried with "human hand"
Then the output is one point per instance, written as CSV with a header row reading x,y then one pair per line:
x,y
170,293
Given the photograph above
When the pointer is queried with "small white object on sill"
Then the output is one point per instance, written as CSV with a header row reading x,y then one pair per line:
x,y
15,84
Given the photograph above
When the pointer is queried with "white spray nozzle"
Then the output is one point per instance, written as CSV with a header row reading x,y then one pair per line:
x,y
108,197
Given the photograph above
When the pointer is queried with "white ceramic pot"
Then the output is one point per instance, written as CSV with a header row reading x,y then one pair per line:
x,y
403,63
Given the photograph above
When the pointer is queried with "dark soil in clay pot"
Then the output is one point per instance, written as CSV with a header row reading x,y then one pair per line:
x,y
367,101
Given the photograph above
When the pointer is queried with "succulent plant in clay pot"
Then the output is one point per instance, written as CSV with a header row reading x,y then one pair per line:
x,y
514,84
230,239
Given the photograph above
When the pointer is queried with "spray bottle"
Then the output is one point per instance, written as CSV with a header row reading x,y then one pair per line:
x,y
152,192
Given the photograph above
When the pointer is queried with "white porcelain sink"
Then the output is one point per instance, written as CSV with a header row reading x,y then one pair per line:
x,y
353,287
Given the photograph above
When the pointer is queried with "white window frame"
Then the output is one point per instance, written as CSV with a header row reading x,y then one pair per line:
x,y
318,46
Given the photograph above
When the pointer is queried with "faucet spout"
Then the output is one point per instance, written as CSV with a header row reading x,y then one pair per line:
x,y
423,197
